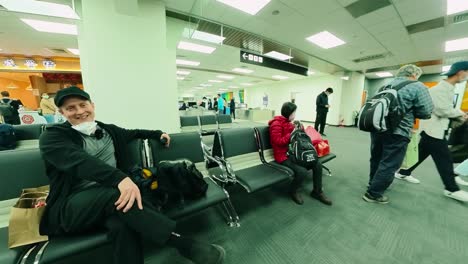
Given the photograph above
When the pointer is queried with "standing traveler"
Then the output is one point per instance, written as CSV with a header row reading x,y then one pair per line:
x,y
322,107
220,105
388,148
47,108
9,109
232,107
434,133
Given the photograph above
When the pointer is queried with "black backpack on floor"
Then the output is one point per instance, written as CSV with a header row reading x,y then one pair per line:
x,y
7,137
301,149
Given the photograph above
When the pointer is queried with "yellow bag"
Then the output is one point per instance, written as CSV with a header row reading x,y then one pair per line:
x,y
26,216
412,152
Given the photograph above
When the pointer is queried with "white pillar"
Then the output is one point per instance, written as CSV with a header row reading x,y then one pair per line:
x,y
128,65
351,97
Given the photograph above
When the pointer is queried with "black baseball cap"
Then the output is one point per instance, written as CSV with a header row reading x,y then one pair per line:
x,y
456,67
69,91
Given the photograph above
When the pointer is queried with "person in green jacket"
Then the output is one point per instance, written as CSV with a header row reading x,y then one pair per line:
x,y
86,162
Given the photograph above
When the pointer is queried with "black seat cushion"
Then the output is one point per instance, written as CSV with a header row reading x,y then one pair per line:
x,y
183,146
188,121
214,195
260,176
224,119
27,132
281,167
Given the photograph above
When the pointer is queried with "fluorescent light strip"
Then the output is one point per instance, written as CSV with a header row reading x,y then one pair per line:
x,y
205,85
384,74
74,51
180,78
233,87
227,77
248,6
325,40
456,44
200,35
310,72
456,6
280,77
179,72
222,89
39,8
187,62
215,81
51,27
242,70
246,84
345,78
278,55
195,47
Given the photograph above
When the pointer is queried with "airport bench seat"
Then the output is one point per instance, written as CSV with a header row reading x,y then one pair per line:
x,y
189,146
238,147
208,124
189,123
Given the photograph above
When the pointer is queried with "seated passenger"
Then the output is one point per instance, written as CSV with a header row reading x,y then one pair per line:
x,y
85,161
280,133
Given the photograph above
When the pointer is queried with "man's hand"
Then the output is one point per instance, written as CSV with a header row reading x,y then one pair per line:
x,y
327,106
129,192
168,138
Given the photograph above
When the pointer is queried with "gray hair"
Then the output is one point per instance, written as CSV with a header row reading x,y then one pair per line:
x,y
409,70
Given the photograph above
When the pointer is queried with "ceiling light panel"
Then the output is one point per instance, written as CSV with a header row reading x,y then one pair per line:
x,y
278,55
195,47
180,72
248,6
246,84
215,81
280,77
457,44
226,77
180,78
200,35
310,72
325,40
456,6
242,70
384,74
187,62
39,8
51,27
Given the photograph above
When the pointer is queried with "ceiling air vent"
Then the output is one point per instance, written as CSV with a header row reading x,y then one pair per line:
x,y
371,57
426,25
363,7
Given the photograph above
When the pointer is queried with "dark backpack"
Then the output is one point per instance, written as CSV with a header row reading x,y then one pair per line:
x,y
301,149
7,110
382,112
7,137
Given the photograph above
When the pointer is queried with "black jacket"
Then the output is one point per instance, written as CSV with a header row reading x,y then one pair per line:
x,y
66,161
321,102
15,104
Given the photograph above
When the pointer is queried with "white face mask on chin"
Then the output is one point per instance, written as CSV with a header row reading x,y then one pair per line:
x,y
86,128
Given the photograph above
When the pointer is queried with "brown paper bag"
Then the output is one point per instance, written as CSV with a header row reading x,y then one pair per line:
x,y
25,218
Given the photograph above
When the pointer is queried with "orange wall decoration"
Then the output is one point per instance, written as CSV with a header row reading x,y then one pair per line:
x,y
26,97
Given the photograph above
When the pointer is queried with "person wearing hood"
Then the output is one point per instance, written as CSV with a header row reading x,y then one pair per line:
x,y
47,108
281,128
86,162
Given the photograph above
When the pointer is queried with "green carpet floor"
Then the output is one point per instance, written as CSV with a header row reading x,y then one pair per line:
x,y
419,225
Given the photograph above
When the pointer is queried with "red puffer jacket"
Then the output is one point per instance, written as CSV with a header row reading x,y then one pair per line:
x,y
280,133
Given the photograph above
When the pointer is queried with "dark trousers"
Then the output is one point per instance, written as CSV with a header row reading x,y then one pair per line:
x,y
94,207
321,120
387,153
300,173
233,113
440,153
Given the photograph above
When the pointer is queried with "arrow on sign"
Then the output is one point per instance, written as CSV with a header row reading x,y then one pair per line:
x,y
245,56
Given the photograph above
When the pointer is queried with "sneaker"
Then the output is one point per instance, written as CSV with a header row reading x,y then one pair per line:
x,y
460,181
381,200
406,178
207,254
458,195
323,134
321,197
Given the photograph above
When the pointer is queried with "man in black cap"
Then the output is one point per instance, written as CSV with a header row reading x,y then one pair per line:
x,y
86,163
434,131
322,107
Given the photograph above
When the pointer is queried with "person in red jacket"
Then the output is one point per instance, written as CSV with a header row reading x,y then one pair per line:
x,y
280,133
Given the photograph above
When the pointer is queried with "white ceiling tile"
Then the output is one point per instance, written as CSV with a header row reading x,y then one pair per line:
x,y
378,16
346,2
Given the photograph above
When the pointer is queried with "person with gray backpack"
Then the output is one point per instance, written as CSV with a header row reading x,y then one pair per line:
x,y
389,116
9,109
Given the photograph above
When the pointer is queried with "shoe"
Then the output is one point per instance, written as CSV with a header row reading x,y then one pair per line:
x,y
321,197
202,253
381,200
460,181
407,178
323,134
458,195
297,198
